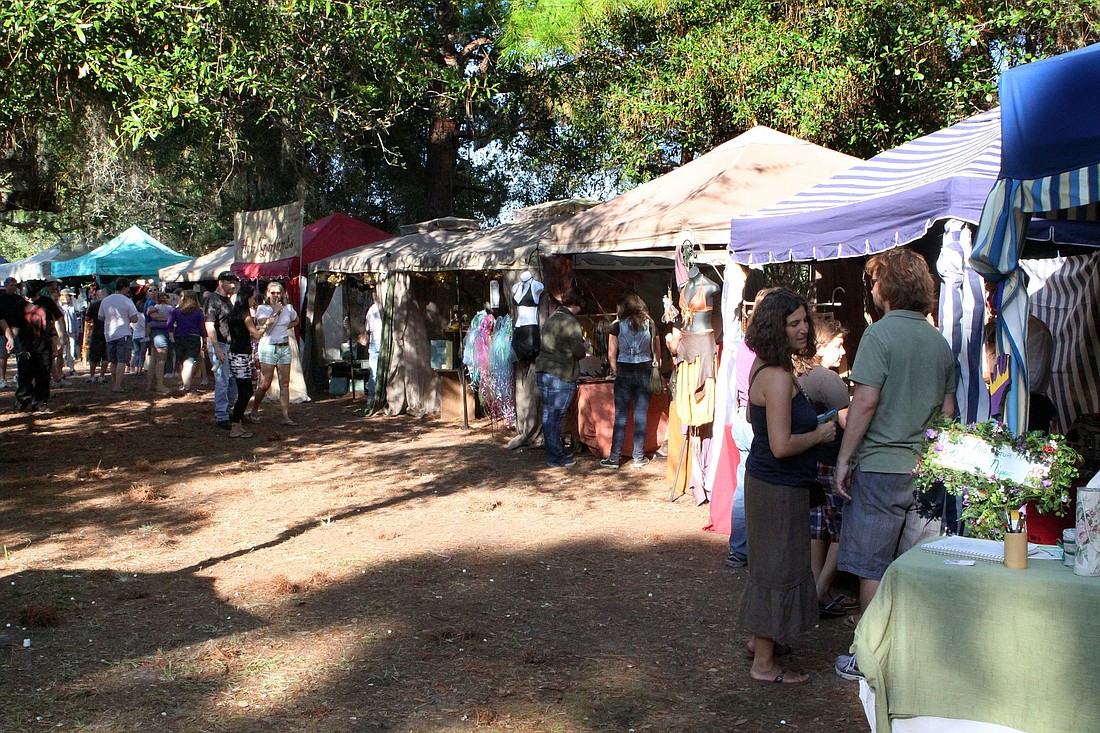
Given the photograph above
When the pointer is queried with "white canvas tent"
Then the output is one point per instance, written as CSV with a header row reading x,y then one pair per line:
x,y
39,266
203,267
504,247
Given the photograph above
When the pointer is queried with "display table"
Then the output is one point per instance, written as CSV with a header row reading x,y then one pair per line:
x,y
596,418
1017,648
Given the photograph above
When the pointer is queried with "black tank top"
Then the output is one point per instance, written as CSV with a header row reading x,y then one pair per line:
x,y
800,470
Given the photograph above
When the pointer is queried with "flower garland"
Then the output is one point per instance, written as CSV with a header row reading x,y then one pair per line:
x,y
987,497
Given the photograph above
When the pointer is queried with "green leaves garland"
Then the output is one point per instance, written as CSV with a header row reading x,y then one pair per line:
x,y
987,498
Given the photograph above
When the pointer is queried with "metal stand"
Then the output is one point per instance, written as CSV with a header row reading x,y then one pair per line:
x,y
465,406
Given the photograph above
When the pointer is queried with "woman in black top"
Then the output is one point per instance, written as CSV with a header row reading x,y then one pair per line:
x,y
780,599
242,331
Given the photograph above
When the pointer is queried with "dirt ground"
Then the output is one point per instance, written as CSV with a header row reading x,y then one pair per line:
x,y
363,574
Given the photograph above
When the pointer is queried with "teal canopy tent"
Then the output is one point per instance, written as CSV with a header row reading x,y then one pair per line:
x,y
131,253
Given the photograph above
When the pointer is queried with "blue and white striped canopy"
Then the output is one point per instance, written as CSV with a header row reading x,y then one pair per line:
x,y
889,200
1051,129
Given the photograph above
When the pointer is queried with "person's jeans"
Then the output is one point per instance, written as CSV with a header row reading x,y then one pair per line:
x,y
557,395
742,437
372,363
225,387
631,385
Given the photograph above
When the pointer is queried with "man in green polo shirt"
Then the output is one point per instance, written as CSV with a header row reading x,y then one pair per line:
x,y
904,374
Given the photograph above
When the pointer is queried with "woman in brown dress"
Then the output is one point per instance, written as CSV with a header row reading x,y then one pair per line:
x,y
780,599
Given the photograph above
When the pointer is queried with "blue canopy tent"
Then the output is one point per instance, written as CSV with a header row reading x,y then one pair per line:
x,y
893,199
1050,165
131,253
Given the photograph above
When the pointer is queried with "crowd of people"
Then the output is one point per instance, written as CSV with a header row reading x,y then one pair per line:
x,y
824,482
132,329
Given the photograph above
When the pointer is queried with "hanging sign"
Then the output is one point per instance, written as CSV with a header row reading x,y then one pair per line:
x,y
269,235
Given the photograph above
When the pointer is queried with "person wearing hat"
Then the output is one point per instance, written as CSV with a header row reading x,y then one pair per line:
x,y
218,308
119,314
71,345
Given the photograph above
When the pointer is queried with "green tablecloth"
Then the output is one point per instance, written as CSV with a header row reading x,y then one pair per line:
x,y
1019,648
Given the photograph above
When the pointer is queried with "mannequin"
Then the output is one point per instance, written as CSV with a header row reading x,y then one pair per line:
x,y
696,347
526,295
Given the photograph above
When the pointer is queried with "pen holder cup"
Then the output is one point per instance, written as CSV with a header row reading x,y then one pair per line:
x,y
1016,550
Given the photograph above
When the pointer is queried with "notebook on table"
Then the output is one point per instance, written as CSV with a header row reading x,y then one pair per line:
x,y
971,548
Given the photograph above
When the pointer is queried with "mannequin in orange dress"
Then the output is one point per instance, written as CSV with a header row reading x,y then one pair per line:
x,y
694,346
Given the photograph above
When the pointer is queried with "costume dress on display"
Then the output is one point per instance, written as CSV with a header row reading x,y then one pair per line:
x,y
696,357
525,338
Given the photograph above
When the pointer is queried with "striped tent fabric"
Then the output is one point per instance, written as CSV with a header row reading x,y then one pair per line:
x,y
890,200
962,317
1000,243
1063,296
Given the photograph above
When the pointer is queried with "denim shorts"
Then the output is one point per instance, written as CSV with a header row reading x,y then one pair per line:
x,y
120,350
275,353
160,339
880,523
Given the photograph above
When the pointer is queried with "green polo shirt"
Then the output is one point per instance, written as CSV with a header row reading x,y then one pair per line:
x,y
911,365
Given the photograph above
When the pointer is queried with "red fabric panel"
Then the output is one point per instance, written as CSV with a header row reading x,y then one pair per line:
x,y
725,484
277,270
337,233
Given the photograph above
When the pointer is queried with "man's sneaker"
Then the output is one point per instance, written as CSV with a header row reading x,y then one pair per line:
x,y
736,561
3,384
847,668
639,462
609,463
568,462
224,424
43,408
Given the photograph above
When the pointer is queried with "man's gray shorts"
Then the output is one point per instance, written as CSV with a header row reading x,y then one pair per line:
x,y
120,350
880,523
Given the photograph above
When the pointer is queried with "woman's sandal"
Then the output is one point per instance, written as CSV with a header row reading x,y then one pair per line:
x,y
833,609
783,679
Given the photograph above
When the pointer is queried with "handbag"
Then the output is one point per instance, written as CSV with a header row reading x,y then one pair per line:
x,y
656,383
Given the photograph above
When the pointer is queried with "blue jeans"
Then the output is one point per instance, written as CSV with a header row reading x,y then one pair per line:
x,y
631,385
225,387
742,437
557,395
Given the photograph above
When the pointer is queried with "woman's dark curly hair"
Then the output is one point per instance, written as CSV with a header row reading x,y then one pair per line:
x,y
767,332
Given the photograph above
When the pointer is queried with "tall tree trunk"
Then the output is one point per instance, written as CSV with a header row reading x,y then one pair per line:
x,y
442,163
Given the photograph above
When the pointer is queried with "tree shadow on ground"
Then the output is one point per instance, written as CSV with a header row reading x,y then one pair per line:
x,y
579,636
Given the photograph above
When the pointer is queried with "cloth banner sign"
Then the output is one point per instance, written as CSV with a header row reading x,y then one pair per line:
x,y
269,235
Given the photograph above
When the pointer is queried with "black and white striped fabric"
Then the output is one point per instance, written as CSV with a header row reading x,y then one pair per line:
x,y
1063,295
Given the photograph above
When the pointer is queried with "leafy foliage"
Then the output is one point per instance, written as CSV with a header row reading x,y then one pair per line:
x,y
638,89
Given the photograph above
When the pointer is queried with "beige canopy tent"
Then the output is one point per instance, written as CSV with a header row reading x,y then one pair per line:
x,y
204,267
458,246
755,169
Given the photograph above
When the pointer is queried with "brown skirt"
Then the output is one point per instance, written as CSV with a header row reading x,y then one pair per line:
x,y
780,598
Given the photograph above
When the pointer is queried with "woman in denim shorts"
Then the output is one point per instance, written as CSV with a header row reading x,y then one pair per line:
x,y
277,319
